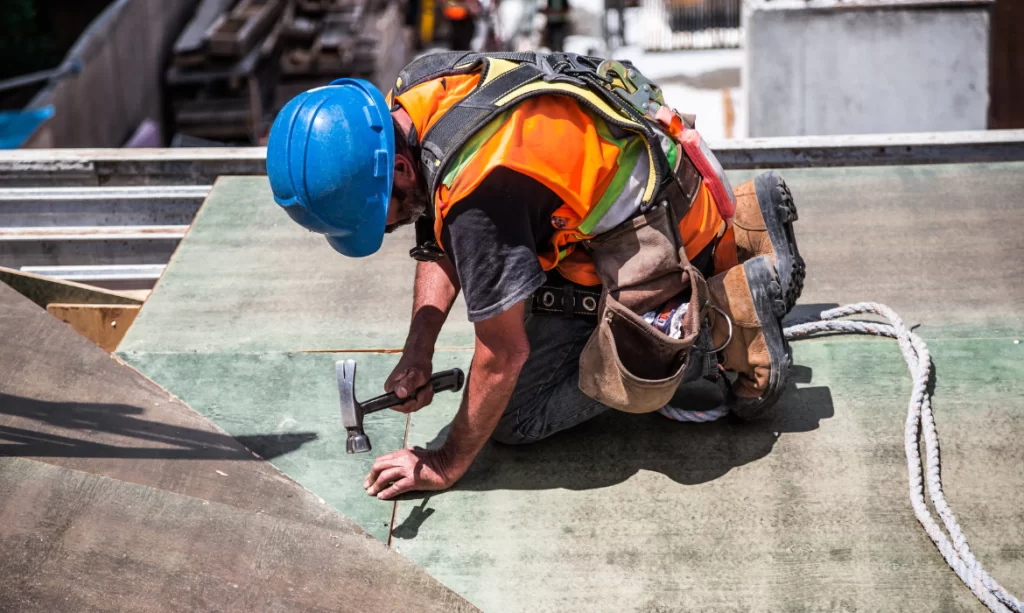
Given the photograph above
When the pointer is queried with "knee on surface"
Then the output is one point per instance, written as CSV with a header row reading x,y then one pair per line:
x,y
511,436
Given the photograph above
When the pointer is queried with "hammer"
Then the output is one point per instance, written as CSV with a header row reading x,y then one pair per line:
x,y
353,411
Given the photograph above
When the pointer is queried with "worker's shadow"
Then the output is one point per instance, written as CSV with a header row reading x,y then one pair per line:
x,y
614,446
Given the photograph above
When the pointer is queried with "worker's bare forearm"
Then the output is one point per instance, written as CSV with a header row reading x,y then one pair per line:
x,y
492,378
437,286
498,357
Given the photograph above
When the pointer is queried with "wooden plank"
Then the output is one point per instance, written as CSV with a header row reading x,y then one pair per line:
x,y
45,290
234,34
193,38
103,324
65,401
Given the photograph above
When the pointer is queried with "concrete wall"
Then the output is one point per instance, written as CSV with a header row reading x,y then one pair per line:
x,y
123,55
866,70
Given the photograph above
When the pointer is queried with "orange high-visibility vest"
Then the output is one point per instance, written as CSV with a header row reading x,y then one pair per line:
x,y
600,173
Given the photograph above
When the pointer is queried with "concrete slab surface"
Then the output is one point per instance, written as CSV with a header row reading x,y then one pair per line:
x,y
248,278
806,511
116,496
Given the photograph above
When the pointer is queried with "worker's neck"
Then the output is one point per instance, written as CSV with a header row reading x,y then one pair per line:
x,y
403,120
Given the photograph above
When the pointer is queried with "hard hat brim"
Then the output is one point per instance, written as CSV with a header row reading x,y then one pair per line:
x,y
366,240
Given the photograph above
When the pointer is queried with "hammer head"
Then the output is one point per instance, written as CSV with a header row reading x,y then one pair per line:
x,y
351,410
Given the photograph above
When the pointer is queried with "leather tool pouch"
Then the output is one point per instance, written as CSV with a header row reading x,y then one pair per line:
x,y
628,364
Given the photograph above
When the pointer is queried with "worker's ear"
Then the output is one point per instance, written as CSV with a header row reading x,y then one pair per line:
x,y
404,169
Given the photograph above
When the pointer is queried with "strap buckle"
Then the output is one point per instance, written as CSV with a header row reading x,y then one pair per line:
x,y
426,249
642,93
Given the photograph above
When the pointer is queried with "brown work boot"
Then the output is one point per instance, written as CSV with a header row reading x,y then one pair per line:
x,y
746,323
763,225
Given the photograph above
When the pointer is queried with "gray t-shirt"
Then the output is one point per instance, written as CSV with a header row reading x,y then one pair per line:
x,y
493,235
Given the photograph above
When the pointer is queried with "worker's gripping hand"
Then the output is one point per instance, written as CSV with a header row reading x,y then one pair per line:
x,y
413,371
407,470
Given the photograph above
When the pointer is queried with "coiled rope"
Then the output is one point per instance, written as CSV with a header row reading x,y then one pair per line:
x,y
920,420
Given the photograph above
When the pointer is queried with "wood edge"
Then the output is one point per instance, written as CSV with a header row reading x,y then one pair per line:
x,y
89,288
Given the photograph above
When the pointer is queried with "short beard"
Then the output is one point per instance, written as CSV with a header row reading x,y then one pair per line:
x,y
411,206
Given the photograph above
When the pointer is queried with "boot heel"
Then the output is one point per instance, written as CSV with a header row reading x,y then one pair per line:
x,y
769,305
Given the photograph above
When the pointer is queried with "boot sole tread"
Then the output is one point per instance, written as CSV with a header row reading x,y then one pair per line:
x,y
779,212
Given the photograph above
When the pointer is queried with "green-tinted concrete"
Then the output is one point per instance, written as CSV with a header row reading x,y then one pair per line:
x,y
248,278
805,512
285,394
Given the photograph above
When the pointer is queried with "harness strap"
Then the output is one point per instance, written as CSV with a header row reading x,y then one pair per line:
x,y
430,66
443,141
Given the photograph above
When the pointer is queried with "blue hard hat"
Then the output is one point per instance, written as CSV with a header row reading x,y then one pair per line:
x,y
331,161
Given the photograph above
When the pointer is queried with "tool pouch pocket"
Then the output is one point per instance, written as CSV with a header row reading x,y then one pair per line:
x,y
628,364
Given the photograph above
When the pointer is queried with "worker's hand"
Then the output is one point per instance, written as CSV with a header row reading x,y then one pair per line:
x,y
413,371
407,470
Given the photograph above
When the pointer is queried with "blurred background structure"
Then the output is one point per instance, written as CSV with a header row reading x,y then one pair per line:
x,y
103,73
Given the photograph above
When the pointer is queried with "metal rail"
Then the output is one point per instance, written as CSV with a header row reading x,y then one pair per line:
x,y
91,206
115,277
114,237
872,150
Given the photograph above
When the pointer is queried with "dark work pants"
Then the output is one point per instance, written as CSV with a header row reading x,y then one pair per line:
x,y
547,396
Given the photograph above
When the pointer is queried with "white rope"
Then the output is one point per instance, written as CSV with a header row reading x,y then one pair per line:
x,y
694,416
954,547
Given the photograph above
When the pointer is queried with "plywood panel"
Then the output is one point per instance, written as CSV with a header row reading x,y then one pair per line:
x,y
103,324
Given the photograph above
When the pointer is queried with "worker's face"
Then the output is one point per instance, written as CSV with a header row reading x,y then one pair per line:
x,y
408,199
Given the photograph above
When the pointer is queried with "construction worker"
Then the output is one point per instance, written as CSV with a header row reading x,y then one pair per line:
x,y
539,185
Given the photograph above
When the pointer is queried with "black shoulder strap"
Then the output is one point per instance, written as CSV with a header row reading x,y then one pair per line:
x,y
458,125
445,63
433,66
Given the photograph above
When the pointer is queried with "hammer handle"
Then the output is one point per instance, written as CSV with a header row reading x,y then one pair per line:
x,y
440,381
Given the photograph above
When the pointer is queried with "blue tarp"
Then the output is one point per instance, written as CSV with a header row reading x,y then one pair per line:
x,y
17,126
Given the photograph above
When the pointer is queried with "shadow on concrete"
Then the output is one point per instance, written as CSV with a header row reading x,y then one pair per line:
x,y
807,312
37,428
614,446
409,528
